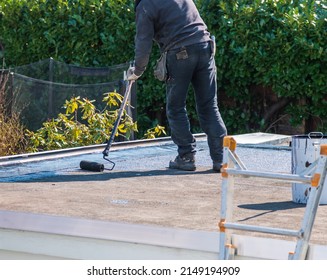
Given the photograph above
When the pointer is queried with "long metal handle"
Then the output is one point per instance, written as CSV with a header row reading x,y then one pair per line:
x,y
121,110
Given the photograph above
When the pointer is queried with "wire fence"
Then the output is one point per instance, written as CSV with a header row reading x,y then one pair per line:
x,y
38,91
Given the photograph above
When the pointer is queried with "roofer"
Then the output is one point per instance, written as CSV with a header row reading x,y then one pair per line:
x,y
178,29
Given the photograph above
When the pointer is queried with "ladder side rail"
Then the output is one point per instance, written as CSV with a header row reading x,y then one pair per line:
x,y
226,212
238,165
237,160
227,193
308,170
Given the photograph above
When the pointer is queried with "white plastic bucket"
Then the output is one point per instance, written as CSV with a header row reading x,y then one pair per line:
x,y
305,150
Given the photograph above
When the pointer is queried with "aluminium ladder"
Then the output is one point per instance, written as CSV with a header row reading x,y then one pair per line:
x,y
314,175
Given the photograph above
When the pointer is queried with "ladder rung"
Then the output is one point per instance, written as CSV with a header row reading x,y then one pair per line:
x,y
269,175
269,230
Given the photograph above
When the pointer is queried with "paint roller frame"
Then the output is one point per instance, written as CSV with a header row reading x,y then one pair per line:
x,y
98,167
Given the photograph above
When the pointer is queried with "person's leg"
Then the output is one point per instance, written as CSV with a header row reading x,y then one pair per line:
x,y
205,87
180,70
179,78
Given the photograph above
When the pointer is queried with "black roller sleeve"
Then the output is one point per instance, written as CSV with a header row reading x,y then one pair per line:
x,y
91,166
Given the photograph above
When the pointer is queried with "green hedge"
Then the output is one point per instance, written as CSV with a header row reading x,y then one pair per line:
x,y
279,46
271,55
83,32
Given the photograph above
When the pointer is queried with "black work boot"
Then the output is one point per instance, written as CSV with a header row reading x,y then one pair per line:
x,y
216,166
186,162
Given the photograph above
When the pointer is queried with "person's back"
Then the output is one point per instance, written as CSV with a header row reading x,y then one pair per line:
x,y
171,23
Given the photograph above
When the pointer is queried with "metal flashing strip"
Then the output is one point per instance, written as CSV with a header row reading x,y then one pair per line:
x,y
35,236
68,152
253,140
124,232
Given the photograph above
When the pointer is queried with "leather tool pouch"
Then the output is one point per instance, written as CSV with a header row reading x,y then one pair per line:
x,y
160,69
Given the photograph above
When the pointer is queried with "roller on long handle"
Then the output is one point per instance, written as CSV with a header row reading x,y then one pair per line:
x,y
94,166
128,86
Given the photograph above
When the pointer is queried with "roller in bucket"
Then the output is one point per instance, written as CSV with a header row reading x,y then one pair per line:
x,y
99,167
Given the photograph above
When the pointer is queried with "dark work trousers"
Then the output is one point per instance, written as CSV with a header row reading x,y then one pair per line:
x,y
194,64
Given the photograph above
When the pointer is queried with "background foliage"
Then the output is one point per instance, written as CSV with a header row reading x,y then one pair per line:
x,y
12,140
271,54
271,57
82,125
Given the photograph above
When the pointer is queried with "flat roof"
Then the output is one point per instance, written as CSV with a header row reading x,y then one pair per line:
x,y
142,190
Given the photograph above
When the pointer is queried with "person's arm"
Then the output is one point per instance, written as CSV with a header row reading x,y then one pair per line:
x,y
143,39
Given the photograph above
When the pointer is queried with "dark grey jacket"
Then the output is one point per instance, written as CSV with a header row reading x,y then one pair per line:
x,y
170,23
